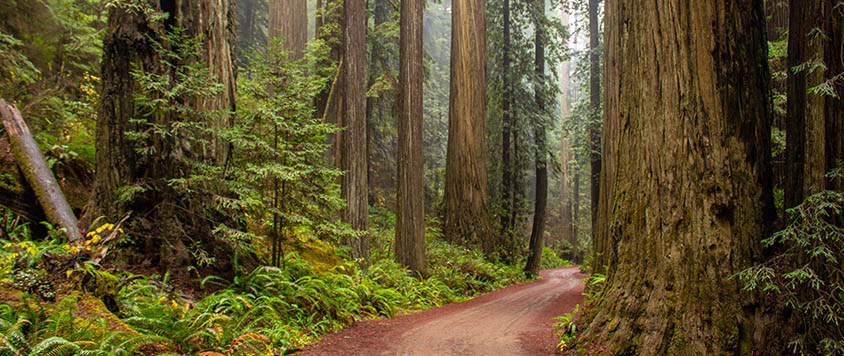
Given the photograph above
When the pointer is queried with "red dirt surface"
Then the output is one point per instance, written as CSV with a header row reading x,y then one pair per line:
x,y
509,322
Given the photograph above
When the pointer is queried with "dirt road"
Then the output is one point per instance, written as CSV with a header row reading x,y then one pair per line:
x,y
509,322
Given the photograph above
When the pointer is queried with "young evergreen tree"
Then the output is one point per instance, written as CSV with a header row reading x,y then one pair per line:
x,y
686,184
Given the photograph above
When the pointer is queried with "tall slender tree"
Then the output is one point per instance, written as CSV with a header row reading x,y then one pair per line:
x,y
351,146
410,218
600,248
565,156
537,234
507,224
686,185
466,212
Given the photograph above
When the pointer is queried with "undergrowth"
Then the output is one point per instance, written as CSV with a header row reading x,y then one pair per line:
x,y
270,310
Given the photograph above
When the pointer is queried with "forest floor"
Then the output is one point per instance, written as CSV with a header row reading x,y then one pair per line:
x,y
513,321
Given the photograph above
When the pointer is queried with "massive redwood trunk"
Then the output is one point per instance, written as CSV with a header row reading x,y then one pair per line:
x,y
467,219
410,217
129,44
686,184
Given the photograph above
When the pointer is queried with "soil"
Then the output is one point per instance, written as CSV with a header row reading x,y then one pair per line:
x,y
513,321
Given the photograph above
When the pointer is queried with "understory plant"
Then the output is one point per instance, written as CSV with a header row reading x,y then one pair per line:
x,y
807,277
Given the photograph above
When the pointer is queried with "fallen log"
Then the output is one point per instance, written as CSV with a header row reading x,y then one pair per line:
x,y
37,174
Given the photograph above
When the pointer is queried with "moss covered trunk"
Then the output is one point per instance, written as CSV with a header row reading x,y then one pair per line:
x,y
685,189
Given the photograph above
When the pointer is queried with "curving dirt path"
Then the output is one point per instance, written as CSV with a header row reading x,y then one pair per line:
x,y
509,322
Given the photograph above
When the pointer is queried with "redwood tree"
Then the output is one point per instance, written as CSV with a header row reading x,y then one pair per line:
x,y
541,201
685,189
410,217
351,146
600,247
466,200
131,42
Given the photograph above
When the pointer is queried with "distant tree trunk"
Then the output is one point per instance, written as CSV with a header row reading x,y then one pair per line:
x,y
537,235
352,148
815,121
289,21
575,201
466,216
410,218
128,45
565,158
686,186
599,247
507,123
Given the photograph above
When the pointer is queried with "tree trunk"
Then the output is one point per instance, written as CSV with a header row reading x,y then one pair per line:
x,y
599,248
537,235
410,218
353,137
128,44
37,174
507,123
466,216
289,21
686,186
565,157
815,121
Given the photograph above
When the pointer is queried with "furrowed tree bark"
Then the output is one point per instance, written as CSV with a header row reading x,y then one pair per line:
x,y
537,235
599,247
410,218
37,174
815,121
289,21
686,185
466,211
353,139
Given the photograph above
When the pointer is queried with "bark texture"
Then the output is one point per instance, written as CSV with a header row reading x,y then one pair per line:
x,y
352,139
507,223
37,174
466,211
289,21
410,218
686,189
815,120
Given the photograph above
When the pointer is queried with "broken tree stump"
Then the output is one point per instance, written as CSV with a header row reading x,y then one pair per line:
x,y
37,174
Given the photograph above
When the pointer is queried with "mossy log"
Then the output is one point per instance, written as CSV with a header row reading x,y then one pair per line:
x,y
37,174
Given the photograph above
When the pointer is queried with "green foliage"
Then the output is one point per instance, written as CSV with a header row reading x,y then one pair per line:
x,y
280,149
551,260
807,276
566,328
